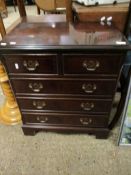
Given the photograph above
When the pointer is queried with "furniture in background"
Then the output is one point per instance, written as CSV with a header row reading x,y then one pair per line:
x,y
14,4
22,12
2,27
116,14
68,4
3,8
53,6
9,111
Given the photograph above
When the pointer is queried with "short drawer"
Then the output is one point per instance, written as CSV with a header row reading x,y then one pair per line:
x,y
33,64
105,87
65,105
65,120
92,64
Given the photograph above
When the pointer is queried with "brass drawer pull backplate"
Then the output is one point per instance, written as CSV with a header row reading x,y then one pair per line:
x,y
86,121
31,65
87,106
89,88
36,87
39,104
42,119
91,65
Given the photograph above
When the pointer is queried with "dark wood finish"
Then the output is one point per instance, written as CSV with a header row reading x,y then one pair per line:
x,y
21,8
101,133
69,13
57,35
66,86
29,131
63,120
65,105
34,64
68,48
92,64
38,10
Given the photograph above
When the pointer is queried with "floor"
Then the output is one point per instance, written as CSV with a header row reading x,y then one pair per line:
x,y
59,154
13,16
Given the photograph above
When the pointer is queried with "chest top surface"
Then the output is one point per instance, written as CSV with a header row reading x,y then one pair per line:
x,y
29,33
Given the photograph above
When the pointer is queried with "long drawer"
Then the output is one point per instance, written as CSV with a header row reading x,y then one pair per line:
x,y
65,105
33,64
38,86
65,120
92,64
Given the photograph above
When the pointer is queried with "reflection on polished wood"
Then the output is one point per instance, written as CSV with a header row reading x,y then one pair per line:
x,y
62,33
60,73
9,112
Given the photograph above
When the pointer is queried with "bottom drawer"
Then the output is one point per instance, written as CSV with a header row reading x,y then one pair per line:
x,y
65,119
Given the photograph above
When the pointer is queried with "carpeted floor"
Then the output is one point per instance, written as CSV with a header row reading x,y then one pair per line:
x,y
59,154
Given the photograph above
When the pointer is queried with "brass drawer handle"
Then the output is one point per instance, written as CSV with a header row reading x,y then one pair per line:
x,y
85,121
36,87
31,65
39,104
89,88
91,65
87,106
42,120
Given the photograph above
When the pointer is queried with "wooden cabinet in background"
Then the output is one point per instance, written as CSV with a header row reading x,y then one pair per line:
x,y
115,15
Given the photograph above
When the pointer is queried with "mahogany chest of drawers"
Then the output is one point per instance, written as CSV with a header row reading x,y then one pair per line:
x,y
64,76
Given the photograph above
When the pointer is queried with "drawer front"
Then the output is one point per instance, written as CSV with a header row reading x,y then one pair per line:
x,y
64,87
118,18
65,105
65,120
33,64
92,64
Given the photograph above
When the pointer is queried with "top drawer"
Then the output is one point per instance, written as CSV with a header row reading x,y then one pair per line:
x,y
33,64
92,63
